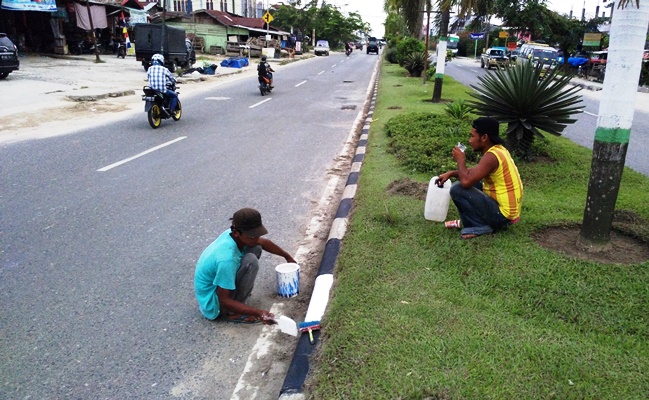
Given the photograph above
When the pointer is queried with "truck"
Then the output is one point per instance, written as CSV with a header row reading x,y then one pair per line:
x,y
175,49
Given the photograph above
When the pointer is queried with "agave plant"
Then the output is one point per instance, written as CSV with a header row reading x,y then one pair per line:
x,y
529,99
415,63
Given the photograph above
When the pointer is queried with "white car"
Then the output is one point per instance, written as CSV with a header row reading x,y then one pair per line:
x,y
321,48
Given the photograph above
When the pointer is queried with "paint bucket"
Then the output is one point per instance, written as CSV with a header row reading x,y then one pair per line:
x,y
288,279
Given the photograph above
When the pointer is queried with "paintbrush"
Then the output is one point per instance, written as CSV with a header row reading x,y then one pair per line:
x,y
309,327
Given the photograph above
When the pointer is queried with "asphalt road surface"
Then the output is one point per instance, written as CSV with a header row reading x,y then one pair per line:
x,y
100,231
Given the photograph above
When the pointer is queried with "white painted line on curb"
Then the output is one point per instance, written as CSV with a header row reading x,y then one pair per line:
x,y
300,84
338,229
261,102
117,164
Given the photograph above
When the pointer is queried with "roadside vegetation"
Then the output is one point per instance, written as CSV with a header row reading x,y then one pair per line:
x,y
417,313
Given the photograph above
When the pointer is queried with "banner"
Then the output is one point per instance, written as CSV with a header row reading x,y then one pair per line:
x,y
29,5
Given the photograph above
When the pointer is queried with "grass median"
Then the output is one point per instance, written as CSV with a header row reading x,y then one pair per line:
x,y
417,313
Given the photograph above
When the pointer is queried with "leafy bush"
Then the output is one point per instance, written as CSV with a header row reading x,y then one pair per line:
x,y
423,141
459,109
415,63
408,46
430,73
391,55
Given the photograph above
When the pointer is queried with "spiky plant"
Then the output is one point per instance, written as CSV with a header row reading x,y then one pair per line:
x,y
415,63
458,109
529,100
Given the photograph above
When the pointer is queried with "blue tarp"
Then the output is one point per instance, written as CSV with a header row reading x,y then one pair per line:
x,y
235,62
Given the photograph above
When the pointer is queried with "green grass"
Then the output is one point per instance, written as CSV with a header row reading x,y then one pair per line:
x,y
417,313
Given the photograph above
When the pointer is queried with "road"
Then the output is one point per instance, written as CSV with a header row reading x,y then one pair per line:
x,y
100,231
582,132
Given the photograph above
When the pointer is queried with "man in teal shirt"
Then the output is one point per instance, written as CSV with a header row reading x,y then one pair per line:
x,y
227,268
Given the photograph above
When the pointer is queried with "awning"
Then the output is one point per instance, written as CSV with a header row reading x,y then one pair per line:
x,y
29,5
262,30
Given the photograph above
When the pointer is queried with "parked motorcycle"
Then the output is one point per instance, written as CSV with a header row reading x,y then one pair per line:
x,y
85,47
264,84
157,106
121,50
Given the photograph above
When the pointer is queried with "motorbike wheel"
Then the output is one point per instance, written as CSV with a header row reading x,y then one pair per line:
x,y
179,112
155,116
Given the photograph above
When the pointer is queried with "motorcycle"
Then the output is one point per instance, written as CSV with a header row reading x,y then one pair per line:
x,y
157,106
348,52
264,84
121,50
85,47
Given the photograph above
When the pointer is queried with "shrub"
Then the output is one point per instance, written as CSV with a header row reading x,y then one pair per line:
x,y
408,46
415,63
430,73
423,141
459,109
391,55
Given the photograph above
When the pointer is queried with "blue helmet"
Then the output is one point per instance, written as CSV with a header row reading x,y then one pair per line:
x,y
157,59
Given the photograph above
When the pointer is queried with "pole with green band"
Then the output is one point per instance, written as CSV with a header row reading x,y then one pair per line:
x,y
627,39
441,54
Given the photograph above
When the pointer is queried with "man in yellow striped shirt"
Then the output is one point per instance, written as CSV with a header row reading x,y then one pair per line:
x,y
488,196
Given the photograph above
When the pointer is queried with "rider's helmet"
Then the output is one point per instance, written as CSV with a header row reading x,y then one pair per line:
x,y
263,58
157,59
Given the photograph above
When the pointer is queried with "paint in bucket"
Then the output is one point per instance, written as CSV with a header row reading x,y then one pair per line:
x,y
288,279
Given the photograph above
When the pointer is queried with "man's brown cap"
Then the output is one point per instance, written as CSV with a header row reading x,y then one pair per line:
x,y
248,221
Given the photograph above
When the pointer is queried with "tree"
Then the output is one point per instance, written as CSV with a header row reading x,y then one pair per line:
x,y
411,12
529,17
628,35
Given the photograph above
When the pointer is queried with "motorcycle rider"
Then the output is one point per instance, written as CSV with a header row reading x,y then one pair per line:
x,y
348,48
160,79
264,71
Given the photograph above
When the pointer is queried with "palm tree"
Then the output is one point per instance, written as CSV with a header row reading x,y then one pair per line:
x,y
627,39
445,10
411,11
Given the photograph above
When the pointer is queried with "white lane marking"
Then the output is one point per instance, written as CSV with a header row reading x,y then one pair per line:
x,y
261,102
474,71
300,84
321,72
590,113
333,66
124,161
217,98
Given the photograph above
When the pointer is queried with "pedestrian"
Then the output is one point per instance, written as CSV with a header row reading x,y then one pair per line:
x,y
489,195
226,270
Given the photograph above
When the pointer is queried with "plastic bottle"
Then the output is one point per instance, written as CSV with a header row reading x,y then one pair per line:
x,y
437,200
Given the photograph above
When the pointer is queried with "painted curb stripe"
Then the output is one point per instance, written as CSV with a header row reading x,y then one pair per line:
x,y
299,367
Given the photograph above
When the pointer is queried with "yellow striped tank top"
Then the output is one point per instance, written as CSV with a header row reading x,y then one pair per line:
x,y
504,184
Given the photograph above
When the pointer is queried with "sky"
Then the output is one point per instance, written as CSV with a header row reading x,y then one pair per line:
x,y
564,6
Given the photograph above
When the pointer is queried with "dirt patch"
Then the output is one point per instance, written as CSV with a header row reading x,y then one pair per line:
x,y
408,187
626,247
394,108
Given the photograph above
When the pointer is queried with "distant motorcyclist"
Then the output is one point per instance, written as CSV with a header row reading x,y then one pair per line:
x,y
265,71
348,47
161,79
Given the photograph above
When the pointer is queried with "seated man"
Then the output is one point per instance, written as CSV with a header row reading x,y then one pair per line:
x,y
496,203
160,78
226,271
265,71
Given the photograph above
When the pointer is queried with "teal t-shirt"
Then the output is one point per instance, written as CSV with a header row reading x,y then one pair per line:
x,y
217,266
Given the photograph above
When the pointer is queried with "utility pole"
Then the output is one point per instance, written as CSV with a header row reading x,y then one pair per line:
x,y
441,56
92,29
164,28
428,11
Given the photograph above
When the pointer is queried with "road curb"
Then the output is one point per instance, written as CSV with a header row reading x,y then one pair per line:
x,y
292,388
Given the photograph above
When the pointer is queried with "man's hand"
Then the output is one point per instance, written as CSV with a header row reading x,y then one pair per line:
x,y
458,155
268,318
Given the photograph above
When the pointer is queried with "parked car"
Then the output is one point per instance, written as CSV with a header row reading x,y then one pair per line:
x,y
494,58
8,56
321,48
372,47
